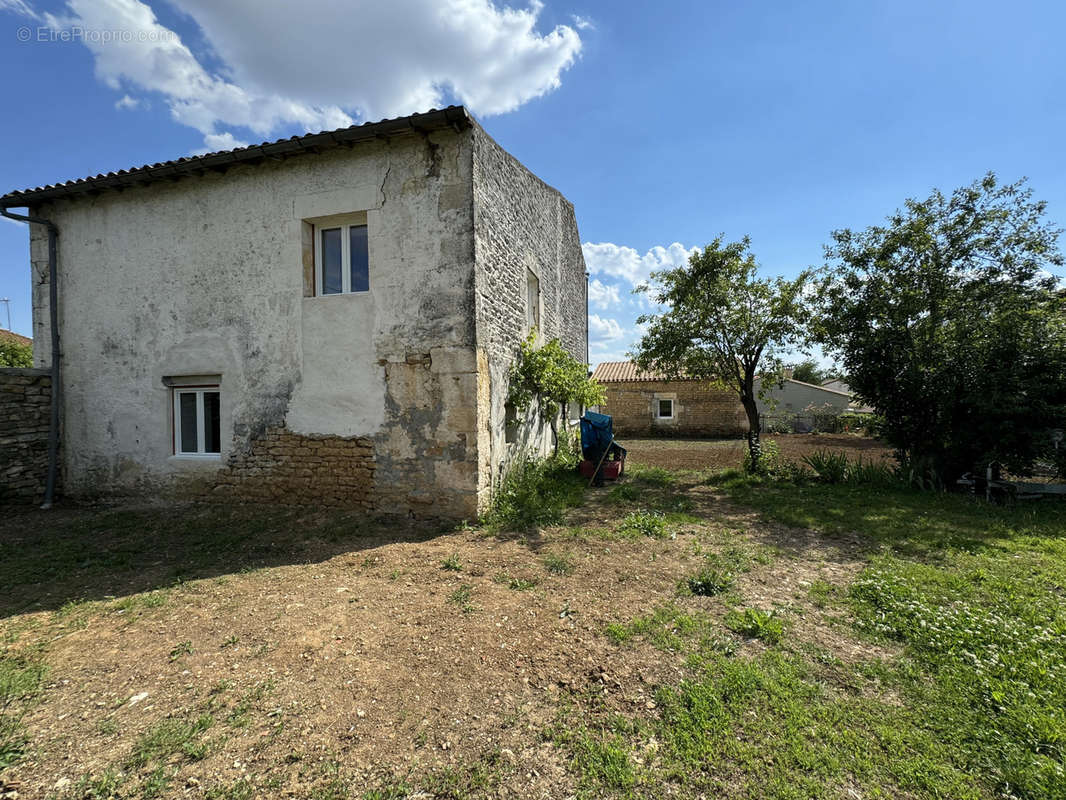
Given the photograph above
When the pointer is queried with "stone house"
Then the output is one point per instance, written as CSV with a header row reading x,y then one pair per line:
x,y
323,319
650,404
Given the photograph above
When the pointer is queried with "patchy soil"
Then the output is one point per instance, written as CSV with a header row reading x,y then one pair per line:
x,y
729,453
315,652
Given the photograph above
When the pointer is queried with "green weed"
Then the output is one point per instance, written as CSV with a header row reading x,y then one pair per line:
x,y
758,624
559,563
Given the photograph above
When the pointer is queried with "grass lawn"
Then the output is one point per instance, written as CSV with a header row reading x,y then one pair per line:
x,y
680,634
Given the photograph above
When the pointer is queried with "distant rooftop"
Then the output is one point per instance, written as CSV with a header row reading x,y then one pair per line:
x,y
627,371
17,338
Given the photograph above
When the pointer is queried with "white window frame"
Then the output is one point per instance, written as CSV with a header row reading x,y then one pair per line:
x,y
201,437
344,225
659,407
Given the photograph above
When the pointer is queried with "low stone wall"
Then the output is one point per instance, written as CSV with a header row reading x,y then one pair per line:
x,y
700,409
289,468
25,409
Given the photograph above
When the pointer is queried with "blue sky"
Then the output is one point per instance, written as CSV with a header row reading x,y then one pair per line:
x,y
665,124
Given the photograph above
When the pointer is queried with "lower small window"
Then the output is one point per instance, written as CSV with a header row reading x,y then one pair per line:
x,y
666,409
197,421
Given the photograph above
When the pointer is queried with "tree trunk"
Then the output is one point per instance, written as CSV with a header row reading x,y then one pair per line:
x,y
754,429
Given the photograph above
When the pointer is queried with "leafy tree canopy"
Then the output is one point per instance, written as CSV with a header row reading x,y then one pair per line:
x,y
724,323
551,378
809,371
15,354
948,321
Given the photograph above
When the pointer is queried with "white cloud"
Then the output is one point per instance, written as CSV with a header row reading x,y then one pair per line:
x,y
327,63
623,262
220,141
19,7
603,296
604,328
582,23
126,102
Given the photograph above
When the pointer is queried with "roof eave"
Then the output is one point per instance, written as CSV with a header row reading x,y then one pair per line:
x,y
455,117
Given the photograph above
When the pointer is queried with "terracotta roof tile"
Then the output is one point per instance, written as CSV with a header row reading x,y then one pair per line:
x,y
626,372
17,338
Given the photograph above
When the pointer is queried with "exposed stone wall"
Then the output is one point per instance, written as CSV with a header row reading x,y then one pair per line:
x,y
700,409
285,467
25,409
520,224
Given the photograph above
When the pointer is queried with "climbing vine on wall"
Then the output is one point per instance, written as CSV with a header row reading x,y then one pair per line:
x,y
549,378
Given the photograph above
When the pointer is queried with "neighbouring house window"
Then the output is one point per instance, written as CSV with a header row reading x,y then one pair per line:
x,y
532,301
664,409
197,421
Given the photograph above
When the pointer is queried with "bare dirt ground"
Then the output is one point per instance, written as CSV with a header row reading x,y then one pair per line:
x,y
324,656
728,453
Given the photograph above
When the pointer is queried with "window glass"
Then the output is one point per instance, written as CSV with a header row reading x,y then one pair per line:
x,y
360,257
666,408
187,422
212,423
332,281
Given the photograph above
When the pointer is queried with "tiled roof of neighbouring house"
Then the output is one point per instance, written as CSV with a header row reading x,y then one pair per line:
x,y
451,117
627,371
17,338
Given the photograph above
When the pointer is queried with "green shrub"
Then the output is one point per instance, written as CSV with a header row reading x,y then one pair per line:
x,y
796,473
870,473
15,354
770,461
831,467
535,492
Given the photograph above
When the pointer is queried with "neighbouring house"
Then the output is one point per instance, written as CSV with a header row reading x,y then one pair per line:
x,y
792,397
855,406
323,319
648,403
15,338
837,385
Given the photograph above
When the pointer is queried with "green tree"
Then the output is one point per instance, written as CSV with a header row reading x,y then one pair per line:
x,y
15,354
550,378
724,324
808,371
949,323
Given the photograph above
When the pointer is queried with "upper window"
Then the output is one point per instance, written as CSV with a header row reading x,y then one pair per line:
x,y
342,259
665,409
197,421
532,301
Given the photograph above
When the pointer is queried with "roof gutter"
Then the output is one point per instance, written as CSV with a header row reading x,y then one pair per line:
x,y
53,324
